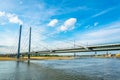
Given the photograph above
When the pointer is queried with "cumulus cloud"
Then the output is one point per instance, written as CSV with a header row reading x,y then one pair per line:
x,y
12,18
53,22
68,24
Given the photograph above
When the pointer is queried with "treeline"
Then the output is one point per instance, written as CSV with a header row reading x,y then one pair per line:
x,y
8,55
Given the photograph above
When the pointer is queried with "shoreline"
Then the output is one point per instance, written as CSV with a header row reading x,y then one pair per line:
x,y
37,58
46,58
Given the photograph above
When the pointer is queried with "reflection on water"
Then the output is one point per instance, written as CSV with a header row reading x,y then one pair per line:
x,y
77,69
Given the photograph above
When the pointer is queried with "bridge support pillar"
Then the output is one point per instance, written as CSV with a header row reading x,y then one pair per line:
x,y
19,42
29,44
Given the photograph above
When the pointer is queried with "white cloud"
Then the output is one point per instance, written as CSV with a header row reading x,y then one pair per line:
x,y
96,23
109,33
103,33
96,15
91,26
2,14
21,2
12,18
103,12
53,22
68,24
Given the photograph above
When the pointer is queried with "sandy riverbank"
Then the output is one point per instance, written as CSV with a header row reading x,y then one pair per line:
x,y
6,58
38,58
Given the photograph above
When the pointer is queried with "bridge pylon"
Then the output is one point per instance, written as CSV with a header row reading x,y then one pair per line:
x,y
29,49
19,42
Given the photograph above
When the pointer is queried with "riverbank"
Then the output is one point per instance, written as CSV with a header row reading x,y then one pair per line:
x,y
49,58
7,59
38,58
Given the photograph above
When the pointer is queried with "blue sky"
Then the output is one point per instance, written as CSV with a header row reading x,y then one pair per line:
x,y
57,23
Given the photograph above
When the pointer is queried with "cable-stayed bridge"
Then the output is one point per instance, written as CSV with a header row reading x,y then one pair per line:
x,y
26,45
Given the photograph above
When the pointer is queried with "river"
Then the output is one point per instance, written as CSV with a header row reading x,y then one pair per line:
x,y
76,69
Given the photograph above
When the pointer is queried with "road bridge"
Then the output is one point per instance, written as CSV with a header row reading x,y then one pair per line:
x,y
92,48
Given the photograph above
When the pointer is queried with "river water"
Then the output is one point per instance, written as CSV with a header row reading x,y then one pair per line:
x,y
76,69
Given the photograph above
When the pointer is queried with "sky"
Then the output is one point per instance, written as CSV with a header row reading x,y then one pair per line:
x,y
58,23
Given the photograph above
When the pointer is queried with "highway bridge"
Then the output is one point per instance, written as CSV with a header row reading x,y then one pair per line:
x,y
92,48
